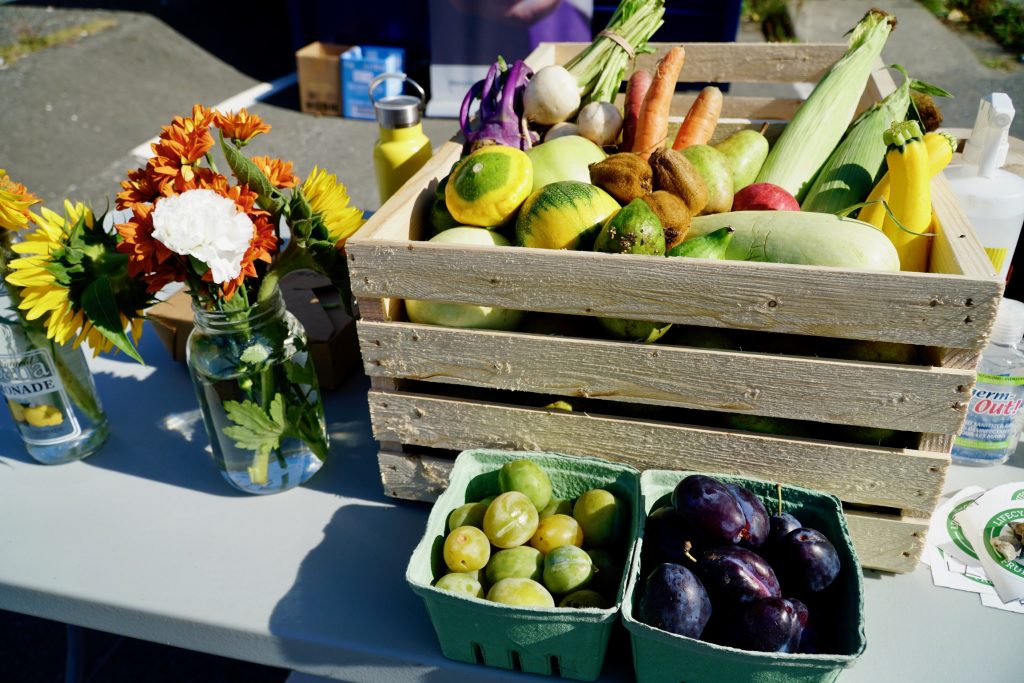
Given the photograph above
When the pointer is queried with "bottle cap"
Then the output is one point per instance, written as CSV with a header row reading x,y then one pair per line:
x,y
397,111
1009,325
989,142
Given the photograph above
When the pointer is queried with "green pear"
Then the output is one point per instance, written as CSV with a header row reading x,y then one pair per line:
x,y
745,151
633,229
714,168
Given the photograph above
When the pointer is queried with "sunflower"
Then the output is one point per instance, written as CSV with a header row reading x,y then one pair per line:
x,y
15,201
49,282
278,172
329,199
240,126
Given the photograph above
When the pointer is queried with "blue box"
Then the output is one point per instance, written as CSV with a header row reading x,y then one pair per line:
x,y
359,66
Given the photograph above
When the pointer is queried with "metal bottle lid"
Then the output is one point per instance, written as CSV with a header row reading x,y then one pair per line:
x,y
397,111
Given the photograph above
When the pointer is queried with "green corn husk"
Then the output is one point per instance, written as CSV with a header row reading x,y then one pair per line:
x,y
853,167
819,123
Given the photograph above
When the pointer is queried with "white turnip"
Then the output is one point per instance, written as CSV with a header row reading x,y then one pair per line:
x,y
551,96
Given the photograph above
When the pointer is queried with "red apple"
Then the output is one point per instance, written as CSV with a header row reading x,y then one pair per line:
x,y
764,197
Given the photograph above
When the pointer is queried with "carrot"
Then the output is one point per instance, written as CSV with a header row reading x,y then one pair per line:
x,y
652,125
699,124
636,90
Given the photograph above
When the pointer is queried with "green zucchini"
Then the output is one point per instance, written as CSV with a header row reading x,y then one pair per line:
x,y
801,237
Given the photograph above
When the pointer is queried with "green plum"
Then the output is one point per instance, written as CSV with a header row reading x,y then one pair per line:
x,y
584,598
520,592
557,506
461,584
555,531
601,515
470,514
466,549
521,562
528,478
511,520
567,569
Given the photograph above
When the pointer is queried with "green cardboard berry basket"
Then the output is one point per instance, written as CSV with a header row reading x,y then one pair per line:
x,y
563,641
663,657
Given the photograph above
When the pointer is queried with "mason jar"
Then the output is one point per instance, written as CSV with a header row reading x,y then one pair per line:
x,y
257,388
49,391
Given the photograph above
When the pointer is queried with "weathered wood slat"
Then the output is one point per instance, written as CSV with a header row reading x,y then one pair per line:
x,y
735,63
888,543
912,308
735,107
873,394
856,474
957,248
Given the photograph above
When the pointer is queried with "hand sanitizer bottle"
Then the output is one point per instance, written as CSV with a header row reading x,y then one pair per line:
x,y
991,429
992,198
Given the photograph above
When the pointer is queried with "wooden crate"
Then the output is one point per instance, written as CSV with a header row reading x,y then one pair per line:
x,y
437,390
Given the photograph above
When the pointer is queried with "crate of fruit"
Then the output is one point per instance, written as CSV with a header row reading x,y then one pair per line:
x,y
742,580
562,529
851,379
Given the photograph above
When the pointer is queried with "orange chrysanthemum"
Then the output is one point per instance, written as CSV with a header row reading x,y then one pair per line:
x,y
180,147
148,257
278,172
241,125
140,188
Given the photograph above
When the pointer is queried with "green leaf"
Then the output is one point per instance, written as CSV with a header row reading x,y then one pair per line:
x,y
300,374
255,429
928,89
250,174
255,354
100,306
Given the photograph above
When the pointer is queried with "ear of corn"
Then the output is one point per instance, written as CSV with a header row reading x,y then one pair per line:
x,y
940,152
819,123
851,169
910,195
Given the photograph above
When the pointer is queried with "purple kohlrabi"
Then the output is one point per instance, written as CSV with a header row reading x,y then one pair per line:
x,y
501,117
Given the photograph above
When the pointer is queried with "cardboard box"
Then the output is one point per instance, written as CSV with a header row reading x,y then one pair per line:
x,y
320,78
311,298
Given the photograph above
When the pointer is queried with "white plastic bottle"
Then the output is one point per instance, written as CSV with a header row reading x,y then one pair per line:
x,y
992,198
991,429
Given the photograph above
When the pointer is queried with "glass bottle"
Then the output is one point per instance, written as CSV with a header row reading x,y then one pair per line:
x,y
258,392
49,390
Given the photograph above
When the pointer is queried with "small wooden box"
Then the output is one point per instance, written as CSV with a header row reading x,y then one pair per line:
x,y
437,390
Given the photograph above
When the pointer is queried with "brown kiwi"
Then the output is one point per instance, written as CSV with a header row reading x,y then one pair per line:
x,y
674,173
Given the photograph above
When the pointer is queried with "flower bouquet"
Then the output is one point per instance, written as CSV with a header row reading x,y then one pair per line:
x,y
58,275
247,355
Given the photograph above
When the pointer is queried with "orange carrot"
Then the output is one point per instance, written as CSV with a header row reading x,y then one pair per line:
x,y
636,90
652,125
699,124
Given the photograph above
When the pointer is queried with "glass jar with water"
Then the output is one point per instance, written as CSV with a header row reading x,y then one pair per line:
x,y
258,391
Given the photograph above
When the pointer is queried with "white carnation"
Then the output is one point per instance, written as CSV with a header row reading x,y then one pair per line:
x,y
206,226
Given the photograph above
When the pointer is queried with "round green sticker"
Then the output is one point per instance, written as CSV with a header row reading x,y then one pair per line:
x,y
954,530
993,529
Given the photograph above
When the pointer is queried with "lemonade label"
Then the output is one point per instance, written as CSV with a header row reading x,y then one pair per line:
x,y
37,399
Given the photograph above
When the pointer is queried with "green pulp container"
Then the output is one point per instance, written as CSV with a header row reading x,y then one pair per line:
x,y
562,641
663,657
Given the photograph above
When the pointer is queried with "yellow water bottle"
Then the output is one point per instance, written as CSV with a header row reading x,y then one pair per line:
x,y
402,148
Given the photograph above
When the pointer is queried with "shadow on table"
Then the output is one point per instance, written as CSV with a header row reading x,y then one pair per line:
x,y
350,592
350,608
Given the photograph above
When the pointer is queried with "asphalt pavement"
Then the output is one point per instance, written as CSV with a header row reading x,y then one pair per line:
x,y
72,113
